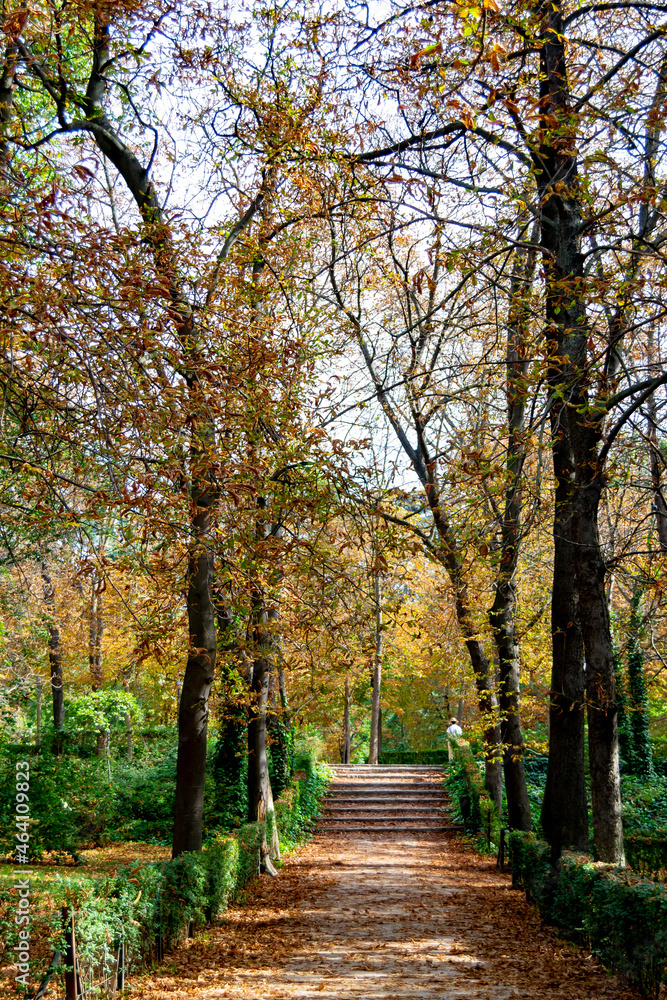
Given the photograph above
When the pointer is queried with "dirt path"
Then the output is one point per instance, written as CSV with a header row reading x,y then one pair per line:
x,y
382,920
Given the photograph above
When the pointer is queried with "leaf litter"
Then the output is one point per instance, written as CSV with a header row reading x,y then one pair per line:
x,y
382,918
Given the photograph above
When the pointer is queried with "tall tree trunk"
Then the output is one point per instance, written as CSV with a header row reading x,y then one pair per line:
x,y
260,794
564,816
55,651
96,632
258,768
482,670
199,671
374,748
347,738
128,723
567,330
502,614
264,622
282,690
657,460
200,665
603,756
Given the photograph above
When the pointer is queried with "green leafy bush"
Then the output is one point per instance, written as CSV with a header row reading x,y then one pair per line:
x,y
644,804
71,801
144,798
619,916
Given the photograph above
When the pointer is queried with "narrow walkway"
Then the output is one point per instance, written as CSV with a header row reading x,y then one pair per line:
x,y
383,916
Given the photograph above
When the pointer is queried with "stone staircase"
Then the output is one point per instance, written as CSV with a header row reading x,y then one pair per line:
x,y
365,799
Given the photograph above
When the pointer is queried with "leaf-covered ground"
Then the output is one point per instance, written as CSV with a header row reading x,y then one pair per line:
x,y
374,919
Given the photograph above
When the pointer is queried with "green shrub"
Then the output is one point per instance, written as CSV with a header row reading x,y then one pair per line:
x,y
617,915
71,801
144,798
644,805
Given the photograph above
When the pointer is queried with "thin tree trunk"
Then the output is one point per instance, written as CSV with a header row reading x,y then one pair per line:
x,y
96,632
55,651
374,748
282,690
38,712
128,723
657,460
128,736
347,739
483,673
260,795
264,618
502,614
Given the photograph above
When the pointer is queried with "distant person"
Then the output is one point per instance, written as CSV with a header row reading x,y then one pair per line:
x,y
454,731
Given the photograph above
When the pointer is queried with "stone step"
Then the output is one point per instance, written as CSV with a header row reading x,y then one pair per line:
x,y
375,768
423,788
394,828
381,820
346,810
404,791
387,787
387,803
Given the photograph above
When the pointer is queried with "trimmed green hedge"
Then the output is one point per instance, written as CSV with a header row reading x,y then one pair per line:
x,y
621,917
152,904
413,757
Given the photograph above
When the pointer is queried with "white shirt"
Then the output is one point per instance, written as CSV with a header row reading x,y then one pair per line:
x,y
455,730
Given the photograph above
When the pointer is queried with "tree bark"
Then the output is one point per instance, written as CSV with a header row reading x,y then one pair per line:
x,y
374,748
347,740
564,816
657,460
199,671
567,335
95,634
502,614
260,794
38,712
55,650
603,756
